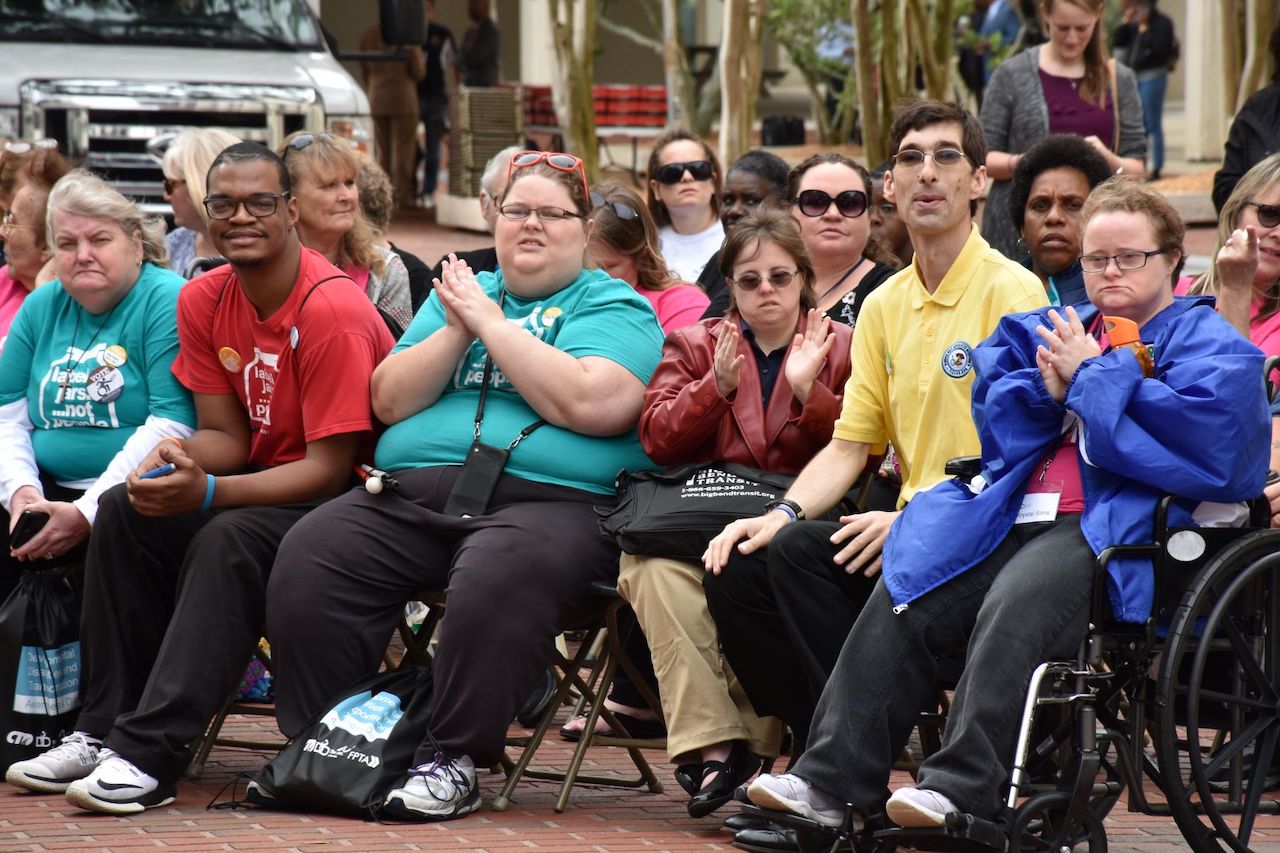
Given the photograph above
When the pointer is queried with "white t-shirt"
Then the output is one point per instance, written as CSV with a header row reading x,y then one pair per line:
x,y
687,254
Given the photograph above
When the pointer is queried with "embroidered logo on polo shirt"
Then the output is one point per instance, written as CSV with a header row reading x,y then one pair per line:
x,y
957,361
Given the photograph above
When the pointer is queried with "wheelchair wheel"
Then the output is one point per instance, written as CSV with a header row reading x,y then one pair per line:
x,y
1219,685
1040,825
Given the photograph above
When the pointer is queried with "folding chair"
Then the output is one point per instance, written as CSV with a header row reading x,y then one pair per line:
x,y
213,736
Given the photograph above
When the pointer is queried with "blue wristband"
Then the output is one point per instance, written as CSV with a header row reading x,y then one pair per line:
x,y
208,494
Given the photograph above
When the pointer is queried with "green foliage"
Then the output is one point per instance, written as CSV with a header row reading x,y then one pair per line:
x,y
800,27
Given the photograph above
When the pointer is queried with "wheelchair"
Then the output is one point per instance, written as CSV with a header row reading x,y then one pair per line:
x,y
1187,704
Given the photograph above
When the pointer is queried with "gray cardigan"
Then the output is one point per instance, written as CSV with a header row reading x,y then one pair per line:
x,y
1015,117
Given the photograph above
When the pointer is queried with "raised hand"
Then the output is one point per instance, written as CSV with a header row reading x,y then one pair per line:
x,y
728,362
809,351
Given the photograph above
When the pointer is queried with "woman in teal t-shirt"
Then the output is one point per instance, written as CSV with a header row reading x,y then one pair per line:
x,y
85,386
564,353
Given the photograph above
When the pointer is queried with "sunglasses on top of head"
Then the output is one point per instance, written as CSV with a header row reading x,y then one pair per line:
x,y
623,211
557,160
850,203
673,173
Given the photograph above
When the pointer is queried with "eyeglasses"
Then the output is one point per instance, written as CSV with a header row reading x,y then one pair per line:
x,y
673,173
7,222
1124,260
521,212
850,203
913,158
24,147
258,206
555,159
624,211
1268,214
778,278
171,184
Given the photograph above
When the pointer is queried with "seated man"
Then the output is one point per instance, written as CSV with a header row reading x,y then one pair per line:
x,y
493,183
277,352
1079,441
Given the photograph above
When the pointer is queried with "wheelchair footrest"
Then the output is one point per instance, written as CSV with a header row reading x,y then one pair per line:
x,y
811,834
963,833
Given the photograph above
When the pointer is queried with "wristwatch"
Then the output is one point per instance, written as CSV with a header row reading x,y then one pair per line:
x,y
788,506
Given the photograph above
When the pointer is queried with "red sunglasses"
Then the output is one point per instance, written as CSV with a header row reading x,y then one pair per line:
x,y
555,159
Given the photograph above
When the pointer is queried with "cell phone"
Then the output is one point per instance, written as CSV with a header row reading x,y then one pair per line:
x,y
163,471
29,524
476,481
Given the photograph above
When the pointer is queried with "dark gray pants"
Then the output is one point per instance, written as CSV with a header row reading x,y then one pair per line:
x,y
172,610
1026,603
516,577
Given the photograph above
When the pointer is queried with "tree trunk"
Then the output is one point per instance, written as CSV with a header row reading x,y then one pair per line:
x,y
873,130
740,70
574,30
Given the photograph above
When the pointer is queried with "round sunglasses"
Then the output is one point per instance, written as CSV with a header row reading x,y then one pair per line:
x,y
673,173
1268,214
850,203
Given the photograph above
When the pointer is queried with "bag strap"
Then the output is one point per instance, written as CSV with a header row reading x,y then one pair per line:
x,y
1115,106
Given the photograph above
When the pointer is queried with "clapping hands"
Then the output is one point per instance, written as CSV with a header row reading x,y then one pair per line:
x,y
1066,346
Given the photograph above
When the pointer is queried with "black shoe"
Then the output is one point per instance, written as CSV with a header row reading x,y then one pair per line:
x,y
738,822
689,777
536,705
771,839
740,767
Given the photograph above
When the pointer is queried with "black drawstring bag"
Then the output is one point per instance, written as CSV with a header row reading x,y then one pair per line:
x,y
350,756
39,664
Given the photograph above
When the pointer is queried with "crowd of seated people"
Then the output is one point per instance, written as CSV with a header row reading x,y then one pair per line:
x,y
804,321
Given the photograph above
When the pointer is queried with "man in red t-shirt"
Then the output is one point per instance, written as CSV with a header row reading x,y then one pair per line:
x,y
277,349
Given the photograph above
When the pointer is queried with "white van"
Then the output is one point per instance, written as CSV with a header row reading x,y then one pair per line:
x,y
105,77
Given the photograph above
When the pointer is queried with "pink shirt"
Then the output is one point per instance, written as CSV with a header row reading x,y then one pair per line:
x,y
12,294
678,306
1265,334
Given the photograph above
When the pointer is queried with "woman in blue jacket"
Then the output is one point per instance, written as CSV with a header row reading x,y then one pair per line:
x,y
1079,441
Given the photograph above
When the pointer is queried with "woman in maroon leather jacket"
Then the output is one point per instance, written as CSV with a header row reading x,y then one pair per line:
x,y
761,387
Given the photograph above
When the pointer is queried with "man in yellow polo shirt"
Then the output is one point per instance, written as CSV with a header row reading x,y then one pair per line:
x,y
912,374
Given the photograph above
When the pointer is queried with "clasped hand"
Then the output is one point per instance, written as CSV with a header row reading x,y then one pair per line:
x,y
173,494
1066,346
467,308
65,529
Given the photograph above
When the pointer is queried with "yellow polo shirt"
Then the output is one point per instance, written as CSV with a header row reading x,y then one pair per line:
x,y
912,359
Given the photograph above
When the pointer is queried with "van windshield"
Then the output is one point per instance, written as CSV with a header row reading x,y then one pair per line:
x,y
260,24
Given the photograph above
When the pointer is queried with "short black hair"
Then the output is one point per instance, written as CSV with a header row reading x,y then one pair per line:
x,y
877,174
764,164
245,152
1055,151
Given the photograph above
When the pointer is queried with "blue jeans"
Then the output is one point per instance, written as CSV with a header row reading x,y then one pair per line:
x,y
1151,87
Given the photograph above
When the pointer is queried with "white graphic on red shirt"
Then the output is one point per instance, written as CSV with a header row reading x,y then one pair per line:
x,y
259,386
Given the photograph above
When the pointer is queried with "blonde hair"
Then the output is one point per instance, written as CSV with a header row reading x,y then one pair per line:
x,y
85,194
1096,77
189,157
331,155
1264,175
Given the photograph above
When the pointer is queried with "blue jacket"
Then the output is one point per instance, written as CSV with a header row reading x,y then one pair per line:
x,y
1199,430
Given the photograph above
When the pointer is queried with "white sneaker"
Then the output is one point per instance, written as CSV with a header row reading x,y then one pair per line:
x,y
52,771
116,786
442,790
917,808
790,793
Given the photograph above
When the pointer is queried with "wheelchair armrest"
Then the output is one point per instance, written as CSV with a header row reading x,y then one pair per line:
x,y
966,467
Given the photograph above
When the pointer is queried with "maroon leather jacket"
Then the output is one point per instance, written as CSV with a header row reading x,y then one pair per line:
x,y
685,419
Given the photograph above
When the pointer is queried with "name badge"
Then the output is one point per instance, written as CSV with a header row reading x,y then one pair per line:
x,y
1040,503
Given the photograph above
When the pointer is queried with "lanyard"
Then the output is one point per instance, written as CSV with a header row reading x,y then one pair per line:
x,y
484,394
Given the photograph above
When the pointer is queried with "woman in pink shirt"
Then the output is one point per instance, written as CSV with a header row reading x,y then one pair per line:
x,y
22,230
624,243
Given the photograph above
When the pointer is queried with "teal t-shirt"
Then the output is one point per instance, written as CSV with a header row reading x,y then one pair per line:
x,y
596,315
91,380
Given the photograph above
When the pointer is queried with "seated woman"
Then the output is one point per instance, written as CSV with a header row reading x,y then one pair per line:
x,y
885,221
1050,185
829,196
684,198
26,249
324,170
544,358
624,243
1079,441
185,164
761,388
85,386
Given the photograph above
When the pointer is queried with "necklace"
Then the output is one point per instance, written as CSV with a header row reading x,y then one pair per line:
x,y
66,376
850,271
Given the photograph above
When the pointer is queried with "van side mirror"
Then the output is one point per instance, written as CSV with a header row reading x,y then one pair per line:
x,y
403,22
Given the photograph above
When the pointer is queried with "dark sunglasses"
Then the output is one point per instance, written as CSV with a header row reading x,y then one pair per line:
x,y
778,278
673,173
624,211
557,160
850,203
170,184
303,140
1268,214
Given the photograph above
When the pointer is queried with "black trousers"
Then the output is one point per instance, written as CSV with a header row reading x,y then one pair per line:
x,y
172,610
515,577
783,620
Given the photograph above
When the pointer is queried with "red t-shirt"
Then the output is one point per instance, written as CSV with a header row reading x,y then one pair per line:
x,y
297,386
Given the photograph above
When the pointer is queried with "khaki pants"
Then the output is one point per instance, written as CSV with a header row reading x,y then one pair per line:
x,y
701,699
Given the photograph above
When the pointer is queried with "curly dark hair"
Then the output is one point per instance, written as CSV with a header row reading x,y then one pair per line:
x,y
764,164
1055,151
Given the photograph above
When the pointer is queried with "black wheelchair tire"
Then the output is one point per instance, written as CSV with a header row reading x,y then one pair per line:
x,y
1038,827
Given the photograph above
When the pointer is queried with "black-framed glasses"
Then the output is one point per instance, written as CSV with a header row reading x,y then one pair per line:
x,y
1268,214
259,206
1124,260
624,211
171,184
521,212
778,278
850,203
913,158
673,173
557,160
